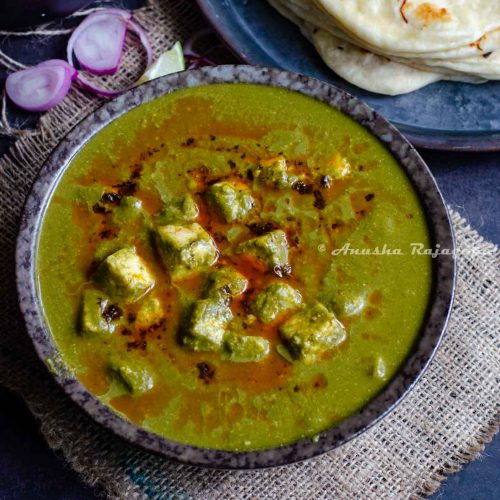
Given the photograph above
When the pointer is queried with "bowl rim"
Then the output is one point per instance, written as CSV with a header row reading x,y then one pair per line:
x,y
424,349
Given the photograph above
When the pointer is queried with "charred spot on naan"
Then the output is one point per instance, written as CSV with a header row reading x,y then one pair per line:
x,y
428,13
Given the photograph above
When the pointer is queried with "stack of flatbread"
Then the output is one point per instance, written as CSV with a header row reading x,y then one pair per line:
x,y
397,46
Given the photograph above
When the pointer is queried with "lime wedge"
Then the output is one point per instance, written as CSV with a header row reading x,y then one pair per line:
x,y
169,62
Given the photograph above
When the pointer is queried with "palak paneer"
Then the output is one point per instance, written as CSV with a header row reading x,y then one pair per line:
x,y
196,272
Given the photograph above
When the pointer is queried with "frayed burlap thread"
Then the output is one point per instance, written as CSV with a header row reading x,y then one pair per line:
x,y
441,425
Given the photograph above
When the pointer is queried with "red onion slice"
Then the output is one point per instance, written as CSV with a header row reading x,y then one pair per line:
x,y
98,41
39,88
143,38
132,26
73,73
88,85
99,47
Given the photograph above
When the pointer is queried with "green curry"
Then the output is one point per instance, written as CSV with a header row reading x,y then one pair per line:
x,y
196,269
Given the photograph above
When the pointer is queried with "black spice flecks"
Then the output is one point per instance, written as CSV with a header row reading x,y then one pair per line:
x,y
206,371
136,172
260,228
107,234
325,181
99,209
112,313
302,188
319,201
127,188
137,344
111,198
283,271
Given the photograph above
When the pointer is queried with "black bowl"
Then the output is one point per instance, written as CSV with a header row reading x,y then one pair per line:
x,y
432,328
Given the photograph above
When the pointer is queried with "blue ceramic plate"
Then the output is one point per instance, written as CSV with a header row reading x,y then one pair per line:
x,y
444,115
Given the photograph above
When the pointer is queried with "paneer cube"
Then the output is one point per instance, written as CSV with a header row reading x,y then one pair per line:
x,y
92,313
310,332
149,312
270,249
206,326
185,249
274,173
182,209
133,373
275,299
225,281
233,201
245,348
124,274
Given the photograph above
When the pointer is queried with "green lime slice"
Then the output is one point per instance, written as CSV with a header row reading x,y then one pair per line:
x,y
171,61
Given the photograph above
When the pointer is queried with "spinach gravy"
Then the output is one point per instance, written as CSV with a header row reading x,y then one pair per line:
x,y
210,266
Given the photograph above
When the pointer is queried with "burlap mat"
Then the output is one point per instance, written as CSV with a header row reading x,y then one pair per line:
x,y
443,424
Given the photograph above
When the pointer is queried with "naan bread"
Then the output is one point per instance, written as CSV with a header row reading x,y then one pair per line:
x,y
309,11
366,69
383,71
480,66
415,26
480,60
361,68
472,69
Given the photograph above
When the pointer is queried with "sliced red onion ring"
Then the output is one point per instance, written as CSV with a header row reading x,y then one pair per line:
x,y
99,47
98,41
39,88
96,58
143,38
87,84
